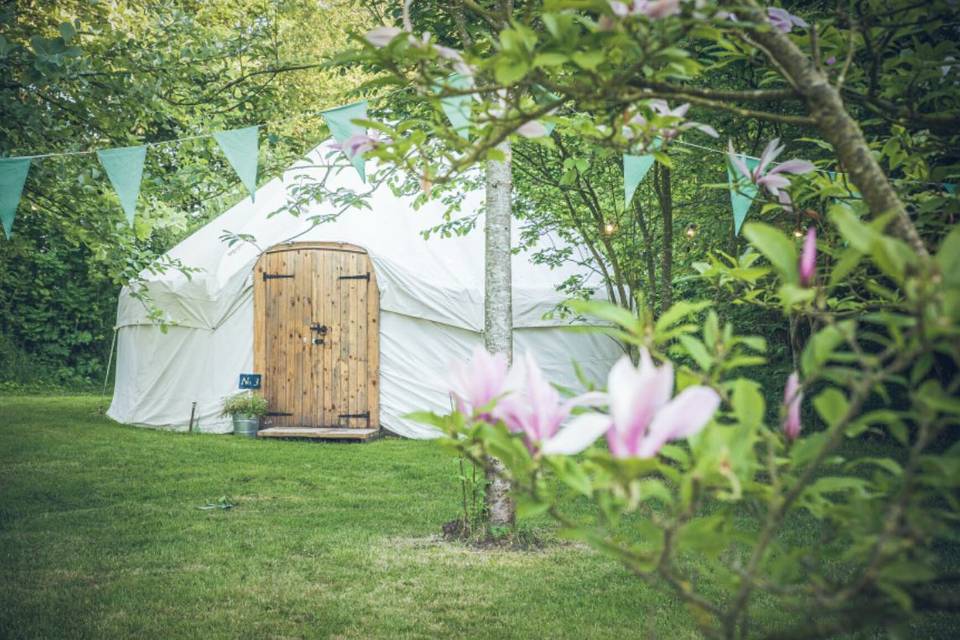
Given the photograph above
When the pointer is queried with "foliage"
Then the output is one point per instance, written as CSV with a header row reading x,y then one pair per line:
x,y
77,76
245,405
872,336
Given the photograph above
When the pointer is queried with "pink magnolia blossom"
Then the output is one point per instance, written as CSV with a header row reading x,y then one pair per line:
x,y
653,9
477,383
533,407
532,129
784,21
643,417
773,180
808,257
358,143
792,397
381,36
661,108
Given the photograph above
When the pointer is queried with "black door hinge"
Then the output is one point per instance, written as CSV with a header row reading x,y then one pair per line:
x,y
274,276
278,413
365,415
365,276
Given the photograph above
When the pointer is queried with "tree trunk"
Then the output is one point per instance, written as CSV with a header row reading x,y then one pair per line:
x,y
665,197
828,111
498,310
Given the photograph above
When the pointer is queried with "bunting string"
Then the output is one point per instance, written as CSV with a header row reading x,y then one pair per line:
x,y
124,165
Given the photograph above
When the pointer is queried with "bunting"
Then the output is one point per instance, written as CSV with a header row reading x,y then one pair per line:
x,y
457,108
742,192
124,167
635,168
342,128
241,146
13,175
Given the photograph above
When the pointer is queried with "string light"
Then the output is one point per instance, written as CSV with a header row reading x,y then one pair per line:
x,y
609,228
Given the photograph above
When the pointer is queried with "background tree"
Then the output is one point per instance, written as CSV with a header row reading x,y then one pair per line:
x,y
77,76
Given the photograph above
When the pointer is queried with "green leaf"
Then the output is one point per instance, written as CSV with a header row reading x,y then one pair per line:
x,y
860,236
651,488
697,351
819,349
606,311
67,31
776,247
948,258
588,60
550,59
529,508
572,475
508,72
831,405
748,403
679,311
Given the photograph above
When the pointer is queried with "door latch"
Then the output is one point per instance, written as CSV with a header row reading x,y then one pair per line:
x,y
321,330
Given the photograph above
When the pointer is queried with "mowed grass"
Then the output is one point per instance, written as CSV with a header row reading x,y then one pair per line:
x,y
101,537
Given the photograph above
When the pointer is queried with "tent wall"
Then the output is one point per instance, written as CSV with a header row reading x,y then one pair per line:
x,y
157,382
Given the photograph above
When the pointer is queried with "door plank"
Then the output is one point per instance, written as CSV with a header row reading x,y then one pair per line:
x,y
317,383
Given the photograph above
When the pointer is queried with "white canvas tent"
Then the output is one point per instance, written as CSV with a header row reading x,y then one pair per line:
x,y
431,308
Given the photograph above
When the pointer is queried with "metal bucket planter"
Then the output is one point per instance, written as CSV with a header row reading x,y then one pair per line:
x,y
246,426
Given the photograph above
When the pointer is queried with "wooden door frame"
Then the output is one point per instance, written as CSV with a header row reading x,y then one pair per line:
x,y
373,318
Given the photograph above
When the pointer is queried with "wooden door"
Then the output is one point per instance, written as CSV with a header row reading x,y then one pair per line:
x,y
316,335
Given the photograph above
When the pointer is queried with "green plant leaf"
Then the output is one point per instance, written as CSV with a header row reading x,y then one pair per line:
x,y
777,247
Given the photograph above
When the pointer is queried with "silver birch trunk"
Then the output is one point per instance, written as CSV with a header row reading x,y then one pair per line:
x,y
498,309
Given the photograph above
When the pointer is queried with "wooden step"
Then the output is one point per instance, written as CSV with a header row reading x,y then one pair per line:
x,y
320,433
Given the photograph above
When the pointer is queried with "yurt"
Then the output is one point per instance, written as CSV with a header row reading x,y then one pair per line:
x,y
351,323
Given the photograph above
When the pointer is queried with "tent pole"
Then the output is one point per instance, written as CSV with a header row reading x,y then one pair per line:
x,y
106,375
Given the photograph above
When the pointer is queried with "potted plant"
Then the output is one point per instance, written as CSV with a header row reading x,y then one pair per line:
x,y
246,409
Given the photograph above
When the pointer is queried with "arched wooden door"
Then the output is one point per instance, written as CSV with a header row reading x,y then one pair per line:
x,y
316,335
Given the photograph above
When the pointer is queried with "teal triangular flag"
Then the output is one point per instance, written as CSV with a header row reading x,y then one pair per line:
x,y
742,192
457,108
542,96
342,128
241,146
124,167
950,187
13,175
634,170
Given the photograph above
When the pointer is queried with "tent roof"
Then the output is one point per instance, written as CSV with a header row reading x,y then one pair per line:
x,y
439,279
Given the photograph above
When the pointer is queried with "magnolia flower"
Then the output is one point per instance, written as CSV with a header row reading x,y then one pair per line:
x,y
532,129
653,9
784,21
808,257
772,180
358,143
382,36
479,382
792,397
661,108
532,406
643,417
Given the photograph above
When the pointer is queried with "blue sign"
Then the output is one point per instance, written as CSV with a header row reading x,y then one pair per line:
x,y
250,380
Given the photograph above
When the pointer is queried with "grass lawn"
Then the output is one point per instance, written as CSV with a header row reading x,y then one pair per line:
x,y
100,537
